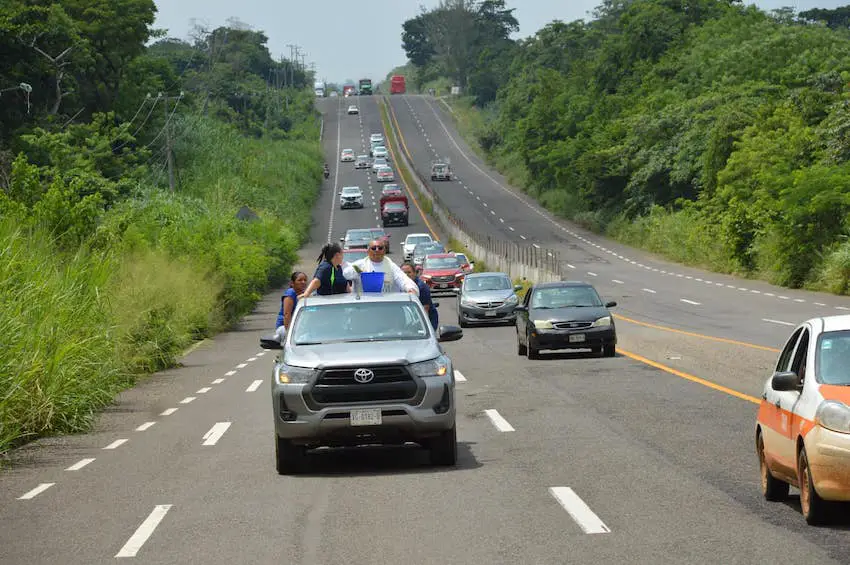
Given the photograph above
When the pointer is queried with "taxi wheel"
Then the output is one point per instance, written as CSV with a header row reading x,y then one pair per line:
x,y
814,507
289,458
772,489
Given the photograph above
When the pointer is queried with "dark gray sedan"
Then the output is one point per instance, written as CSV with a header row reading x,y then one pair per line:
x,y
487,297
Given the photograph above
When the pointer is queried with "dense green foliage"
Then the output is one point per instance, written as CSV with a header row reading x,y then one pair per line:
x,y
107,270
714,133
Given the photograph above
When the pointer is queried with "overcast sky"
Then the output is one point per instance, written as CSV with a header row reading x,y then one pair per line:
x,y
349,39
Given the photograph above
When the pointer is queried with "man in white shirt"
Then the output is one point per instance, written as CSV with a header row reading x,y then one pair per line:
x,y
394,278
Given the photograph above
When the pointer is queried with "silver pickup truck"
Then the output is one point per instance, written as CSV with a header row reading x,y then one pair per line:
x,y
358,369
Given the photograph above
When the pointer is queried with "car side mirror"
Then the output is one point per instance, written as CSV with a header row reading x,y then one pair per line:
x,y
449,333
517,287
342,239
610,304
520,308
784,381
270,343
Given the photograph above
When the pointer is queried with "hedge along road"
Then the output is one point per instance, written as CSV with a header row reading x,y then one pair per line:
x,y
566,455
717,327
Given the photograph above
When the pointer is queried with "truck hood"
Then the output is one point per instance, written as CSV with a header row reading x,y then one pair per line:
x,y
348,354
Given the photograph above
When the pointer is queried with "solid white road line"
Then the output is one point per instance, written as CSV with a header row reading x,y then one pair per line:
x,y
335,185
168,412
229,373
253,386
459,377
144,531
780,322
80,464
36,491
685,300
218,381
501,424
116,444
579,511
187,400
215,433
204,390
145,426
649,290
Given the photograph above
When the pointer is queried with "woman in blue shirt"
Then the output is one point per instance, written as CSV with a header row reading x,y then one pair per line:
x,y
297,284
328,278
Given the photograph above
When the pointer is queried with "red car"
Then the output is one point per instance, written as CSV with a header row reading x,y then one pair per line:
x,y
442,272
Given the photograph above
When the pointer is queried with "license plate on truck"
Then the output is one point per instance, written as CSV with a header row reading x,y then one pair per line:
x,y
369,417
576,338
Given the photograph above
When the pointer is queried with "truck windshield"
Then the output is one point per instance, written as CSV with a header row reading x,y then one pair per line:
x,y
358,322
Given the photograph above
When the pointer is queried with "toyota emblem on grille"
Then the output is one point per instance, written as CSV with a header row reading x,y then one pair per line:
x,y
363,375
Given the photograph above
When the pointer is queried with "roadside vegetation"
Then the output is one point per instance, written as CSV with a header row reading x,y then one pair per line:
x,y
710,132
108,270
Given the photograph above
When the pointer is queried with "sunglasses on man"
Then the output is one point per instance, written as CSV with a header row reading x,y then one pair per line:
x,y
377,248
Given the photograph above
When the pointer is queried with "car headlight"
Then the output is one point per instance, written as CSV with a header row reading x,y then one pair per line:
x,y
294,375
834,416
437,367
467,302
602,322
511,300
543,324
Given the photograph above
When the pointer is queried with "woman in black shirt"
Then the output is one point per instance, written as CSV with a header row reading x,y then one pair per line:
x,y
328,278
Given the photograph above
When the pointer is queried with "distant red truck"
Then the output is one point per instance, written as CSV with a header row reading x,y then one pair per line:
x,y
397,85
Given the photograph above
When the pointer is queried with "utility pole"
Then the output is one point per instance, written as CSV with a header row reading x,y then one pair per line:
x,y
169,149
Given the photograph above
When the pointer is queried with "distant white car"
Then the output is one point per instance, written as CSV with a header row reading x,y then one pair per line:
x,y
376,138
347,156
378,163
411,241
380,152
353,110
385,174
351,197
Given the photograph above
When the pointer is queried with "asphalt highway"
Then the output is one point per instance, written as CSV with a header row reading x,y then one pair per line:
x,y
567,459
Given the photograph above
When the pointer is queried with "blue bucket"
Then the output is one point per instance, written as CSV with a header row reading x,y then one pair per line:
x,y
372,282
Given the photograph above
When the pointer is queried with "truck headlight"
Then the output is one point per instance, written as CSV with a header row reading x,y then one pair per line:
x,y
603,322
294,375
543,324
834,416
437,367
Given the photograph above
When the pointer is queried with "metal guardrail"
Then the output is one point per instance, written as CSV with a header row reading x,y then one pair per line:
x,y
546,262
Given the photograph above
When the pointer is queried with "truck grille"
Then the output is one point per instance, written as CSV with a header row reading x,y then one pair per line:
x,y
338,386
572,325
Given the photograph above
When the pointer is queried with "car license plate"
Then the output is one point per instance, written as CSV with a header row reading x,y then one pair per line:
x,y
370,417
576,338
443,285
491,313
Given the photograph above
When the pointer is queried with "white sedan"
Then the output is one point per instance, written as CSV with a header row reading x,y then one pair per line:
x,y
353,110
347,156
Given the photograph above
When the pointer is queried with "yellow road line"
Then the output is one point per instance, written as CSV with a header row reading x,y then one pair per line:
x,y
693,334
397,137
689,377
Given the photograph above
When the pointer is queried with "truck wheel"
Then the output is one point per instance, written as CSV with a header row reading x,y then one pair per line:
x,y
289,458
443,449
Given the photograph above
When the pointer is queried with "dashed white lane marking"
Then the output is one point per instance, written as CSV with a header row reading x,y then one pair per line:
x,y
523,237
261,353
459,377
144,531
215,433
649,290
252,359
799,300
218,381
686,301
841,308
254,386
36,491
819,304
587,520
512,229
616,281
116,444
168,412
501,424
241,365
187,400
780,322
592,274
145,426
571,266
204,390
535,246
229,373
80,464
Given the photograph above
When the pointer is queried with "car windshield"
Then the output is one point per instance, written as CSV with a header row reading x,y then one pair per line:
x,y
361,321
461,258
416,239
352,256
362,157
429,249
358,234
380,148
565,297
378,234
347,152
487,283
832,359
351,191
441,263
380,162
391,188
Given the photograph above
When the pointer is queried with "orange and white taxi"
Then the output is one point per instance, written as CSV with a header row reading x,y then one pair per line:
x,y
803,425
